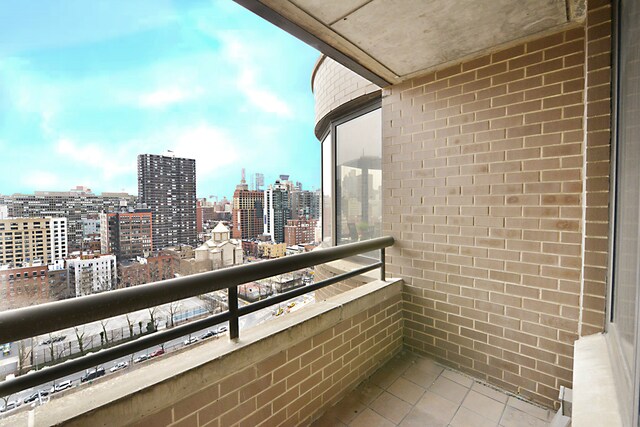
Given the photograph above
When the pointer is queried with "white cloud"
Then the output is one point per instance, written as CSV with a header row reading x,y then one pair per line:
x,y
212,147
105,160
164,97
240,55
41,179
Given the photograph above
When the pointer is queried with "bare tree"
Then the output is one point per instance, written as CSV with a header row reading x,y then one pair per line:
x,y
211,304
130,324
24,354
52,347
104,323
80,337
152,318
5,400
172,310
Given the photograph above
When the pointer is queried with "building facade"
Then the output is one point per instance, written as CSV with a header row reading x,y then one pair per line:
x,y
276,211
25,286
167,186
247,212
298,231
32,241
127,235
75,205
92,274
305,204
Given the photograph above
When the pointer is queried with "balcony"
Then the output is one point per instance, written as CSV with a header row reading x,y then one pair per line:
x,y
508,148
340,360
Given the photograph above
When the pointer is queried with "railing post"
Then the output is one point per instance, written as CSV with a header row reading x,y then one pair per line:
x,y
382,267
234,327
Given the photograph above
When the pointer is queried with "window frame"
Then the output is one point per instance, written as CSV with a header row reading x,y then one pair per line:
x,y
626,375
330,131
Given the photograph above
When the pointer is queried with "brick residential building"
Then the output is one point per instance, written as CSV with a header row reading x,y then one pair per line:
x,y
127,235
298,231
247,212
22,287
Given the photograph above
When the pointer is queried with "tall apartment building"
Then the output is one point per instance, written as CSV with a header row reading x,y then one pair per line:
x,y
247,212
75,205
93,274
126,235
305,204
298,231
276,211
167,185
32,241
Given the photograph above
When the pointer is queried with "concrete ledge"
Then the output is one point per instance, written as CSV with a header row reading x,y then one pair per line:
x,y
134,395
594,393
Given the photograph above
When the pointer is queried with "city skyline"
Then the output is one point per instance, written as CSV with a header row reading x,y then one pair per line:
x,y
207,80
205,195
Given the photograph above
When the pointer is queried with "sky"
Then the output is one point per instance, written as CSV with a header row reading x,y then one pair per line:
x,y
86,86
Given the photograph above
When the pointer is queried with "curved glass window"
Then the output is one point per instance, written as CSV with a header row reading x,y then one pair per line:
x,y
359,178
352,178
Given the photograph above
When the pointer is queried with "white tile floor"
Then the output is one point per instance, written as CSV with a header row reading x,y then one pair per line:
x,y
415,391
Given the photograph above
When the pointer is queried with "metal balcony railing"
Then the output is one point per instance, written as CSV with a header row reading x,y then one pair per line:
x,y
28,322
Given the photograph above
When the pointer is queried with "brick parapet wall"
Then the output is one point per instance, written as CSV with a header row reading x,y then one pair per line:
x,y
334,85
297,383
483,179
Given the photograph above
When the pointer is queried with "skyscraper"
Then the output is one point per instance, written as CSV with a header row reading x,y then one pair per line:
x,y
276,211
167,185
247,212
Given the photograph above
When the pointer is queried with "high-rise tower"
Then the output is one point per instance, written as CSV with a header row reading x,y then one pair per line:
x,y
167,185
247,211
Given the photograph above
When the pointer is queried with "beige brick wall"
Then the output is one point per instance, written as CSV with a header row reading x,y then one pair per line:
x,y
597,152
484,190
296,384
333,85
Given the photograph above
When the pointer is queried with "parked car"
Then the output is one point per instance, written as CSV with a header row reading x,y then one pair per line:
x,y
222,329
53,339
190,340
35,396
118,366
208,334
61,386
141,358
11,405
92,374
158,352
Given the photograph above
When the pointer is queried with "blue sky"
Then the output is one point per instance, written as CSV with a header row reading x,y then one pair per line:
x,y
86,86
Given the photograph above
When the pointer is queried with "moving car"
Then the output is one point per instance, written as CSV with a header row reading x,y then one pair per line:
x,y
208,334
92,374
158,352
61,386
11,405
35,396
118,366
141,358
190,340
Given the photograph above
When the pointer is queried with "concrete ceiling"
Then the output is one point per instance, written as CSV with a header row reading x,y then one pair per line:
x,y
391,40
